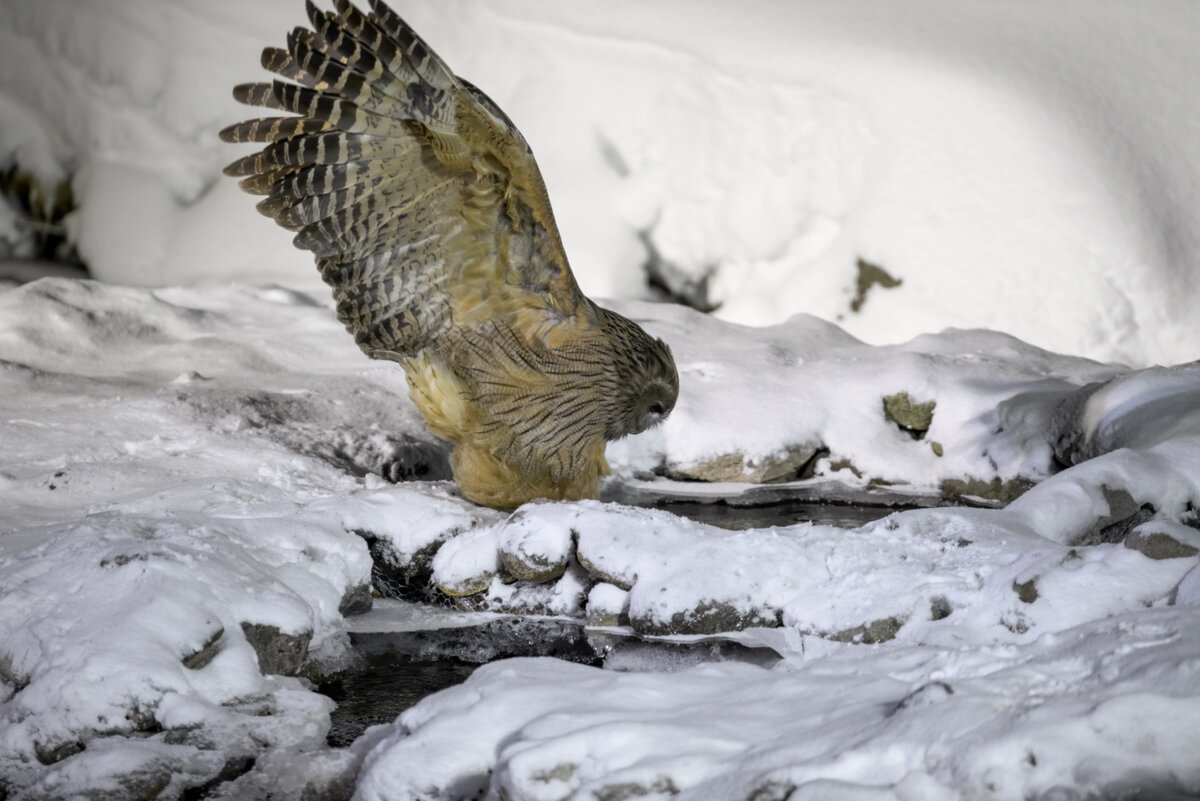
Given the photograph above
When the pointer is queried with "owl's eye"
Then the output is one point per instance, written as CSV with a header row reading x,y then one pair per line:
x,y
656,408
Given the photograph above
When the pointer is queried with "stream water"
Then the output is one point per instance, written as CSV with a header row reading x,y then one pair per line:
x,y
398,666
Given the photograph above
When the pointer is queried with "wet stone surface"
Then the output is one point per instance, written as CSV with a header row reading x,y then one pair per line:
x,y
394,670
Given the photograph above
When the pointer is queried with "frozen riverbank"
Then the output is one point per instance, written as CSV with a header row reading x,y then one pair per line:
x,y
188,476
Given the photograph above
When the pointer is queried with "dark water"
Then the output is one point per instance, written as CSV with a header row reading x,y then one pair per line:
x,y
396,670
785,513
382,686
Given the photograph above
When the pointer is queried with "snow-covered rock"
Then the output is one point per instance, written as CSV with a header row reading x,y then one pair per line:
x,y
1019,166
193,485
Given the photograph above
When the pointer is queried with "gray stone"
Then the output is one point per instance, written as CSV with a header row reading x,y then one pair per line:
x,y
785,465
709,617
624,791
357,600
278,653
50,753
870,275
1064,426
915,418
1159,545
940,608
998,492
138,785
1026,591
205,653
533,567
407,577
876,631
607,606
599,573
1124,515
468,586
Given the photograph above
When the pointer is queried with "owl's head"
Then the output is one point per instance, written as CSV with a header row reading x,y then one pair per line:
x,y
646,381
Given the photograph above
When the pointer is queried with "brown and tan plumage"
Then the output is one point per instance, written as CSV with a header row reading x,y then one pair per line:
x,y
429,219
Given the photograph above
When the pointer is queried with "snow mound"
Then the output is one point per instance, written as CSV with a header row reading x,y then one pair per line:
x,y
1069,716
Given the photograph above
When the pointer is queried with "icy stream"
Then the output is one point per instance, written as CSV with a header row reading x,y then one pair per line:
x,y
399,662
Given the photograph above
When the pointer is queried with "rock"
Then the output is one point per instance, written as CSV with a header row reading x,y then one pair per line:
x,y
940,608
784,465
139,785
607,606
1026,591
278,653
205,654
974,490
915,418
357,600
870,275
471,585
709,617
1158,545
1190,517
624,583
1065,424
535,550
563,598
50,753
937,448
1124,515
876,631
405,576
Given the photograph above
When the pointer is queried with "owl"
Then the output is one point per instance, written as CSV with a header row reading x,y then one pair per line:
x,y
429,219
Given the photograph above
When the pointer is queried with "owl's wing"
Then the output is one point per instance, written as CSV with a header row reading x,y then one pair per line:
x,y
420,198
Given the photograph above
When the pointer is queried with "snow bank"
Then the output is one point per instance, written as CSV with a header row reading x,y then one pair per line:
x,y
164,550
1017,166
811,388
1069,716
192,484
937,653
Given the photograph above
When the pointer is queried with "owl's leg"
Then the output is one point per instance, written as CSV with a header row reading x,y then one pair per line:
x,y
439,395
487,480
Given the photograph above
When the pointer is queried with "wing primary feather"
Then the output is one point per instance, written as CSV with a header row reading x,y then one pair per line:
x,y
270,129
422,58
257,94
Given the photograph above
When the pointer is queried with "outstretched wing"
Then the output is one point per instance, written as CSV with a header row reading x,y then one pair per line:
x,y
421,200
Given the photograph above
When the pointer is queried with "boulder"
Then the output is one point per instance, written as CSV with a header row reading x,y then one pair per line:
x,y
278,653
786,464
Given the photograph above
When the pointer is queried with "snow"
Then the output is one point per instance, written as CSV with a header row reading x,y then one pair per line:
x,y
181,463
973,151
194,451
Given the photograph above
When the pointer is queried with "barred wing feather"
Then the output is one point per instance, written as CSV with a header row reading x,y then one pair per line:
x,y
421,201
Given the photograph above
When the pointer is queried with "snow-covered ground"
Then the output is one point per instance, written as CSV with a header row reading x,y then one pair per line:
x,y
197,465
189,478
1022,166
